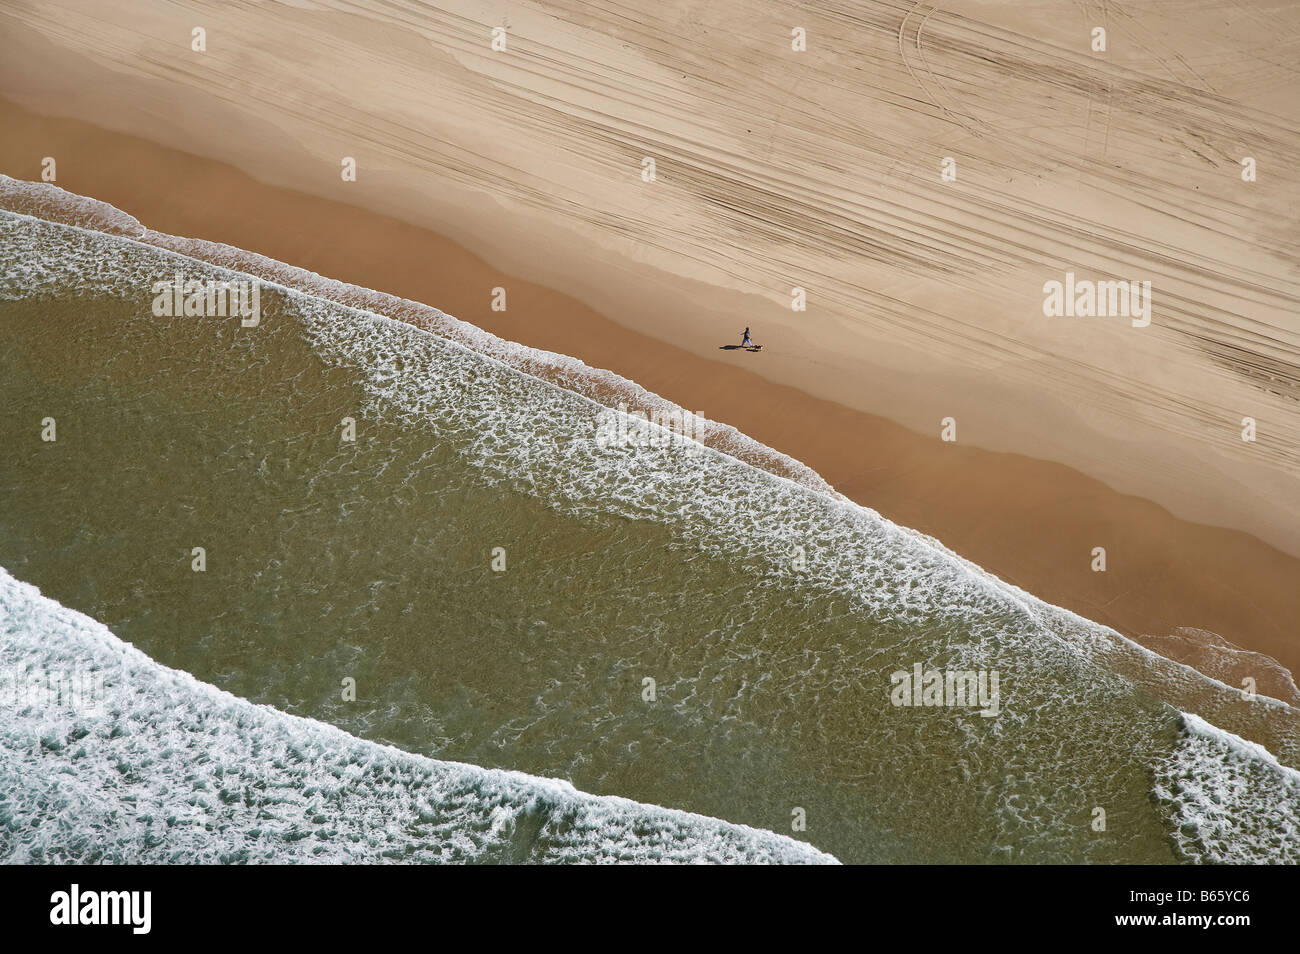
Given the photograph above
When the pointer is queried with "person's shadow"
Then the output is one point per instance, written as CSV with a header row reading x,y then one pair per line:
x,y
740,348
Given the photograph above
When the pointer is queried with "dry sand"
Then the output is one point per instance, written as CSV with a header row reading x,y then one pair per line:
x,y
775,169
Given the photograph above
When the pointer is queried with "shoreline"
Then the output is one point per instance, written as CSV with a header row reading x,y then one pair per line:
x,y
924,296
1031,522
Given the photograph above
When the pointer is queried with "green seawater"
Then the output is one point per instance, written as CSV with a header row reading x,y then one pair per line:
x,y
378,561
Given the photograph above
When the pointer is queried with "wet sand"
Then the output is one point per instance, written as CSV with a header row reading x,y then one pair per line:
x,y
1032,522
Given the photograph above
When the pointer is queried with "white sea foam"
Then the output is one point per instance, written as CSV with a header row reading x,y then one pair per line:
x,y
170,769
1232,665
530,433
48,201
51,203
1230,800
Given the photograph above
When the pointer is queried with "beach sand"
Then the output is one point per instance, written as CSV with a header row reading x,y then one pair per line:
x,y
523,170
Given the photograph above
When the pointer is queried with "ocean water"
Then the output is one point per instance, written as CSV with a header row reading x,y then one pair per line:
x,y
700,627
165,769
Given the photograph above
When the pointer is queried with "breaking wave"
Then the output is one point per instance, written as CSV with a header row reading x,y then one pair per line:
x,y
152,766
